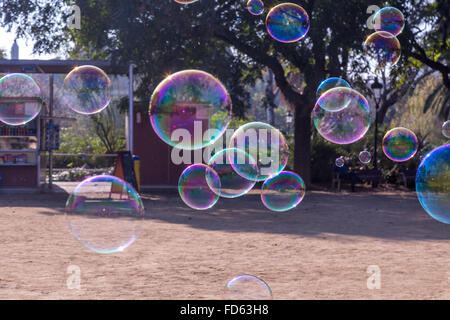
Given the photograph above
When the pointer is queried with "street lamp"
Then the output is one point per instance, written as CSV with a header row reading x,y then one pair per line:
x,y
377,89
289,119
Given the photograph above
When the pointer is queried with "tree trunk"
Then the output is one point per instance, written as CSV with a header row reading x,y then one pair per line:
x,y
302,151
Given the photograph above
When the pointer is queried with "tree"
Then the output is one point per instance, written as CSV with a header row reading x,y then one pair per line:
x,y
221,37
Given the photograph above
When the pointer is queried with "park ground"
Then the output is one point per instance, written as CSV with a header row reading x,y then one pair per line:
x,y
319,250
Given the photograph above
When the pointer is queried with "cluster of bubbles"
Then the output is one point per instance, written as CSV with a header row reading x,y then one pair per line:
x,y
382,48
104,213
20,99
247,287
195,106
255,7
86,91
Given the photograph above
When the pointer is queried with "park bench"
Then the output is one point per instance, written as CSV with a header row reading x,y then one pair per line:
x,y
368,175
407,175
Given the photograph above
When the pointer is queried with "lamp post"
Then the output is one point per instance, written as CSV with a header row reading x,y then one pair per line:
x,y
377,88
289,120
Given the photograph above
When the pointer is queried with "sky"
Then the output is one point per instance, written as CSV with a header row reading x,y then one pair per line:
x,y
25,47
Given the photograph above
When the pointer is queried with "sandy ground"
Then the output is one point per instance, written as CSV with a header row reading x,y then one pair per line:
x,y
320,250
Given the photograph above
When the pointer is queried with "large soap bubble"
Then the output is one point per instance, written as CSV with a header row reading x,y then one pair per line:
x,y
104,213
330,83
194,186
433,183
283,192
336,99
191,106
263,143
287,22
382,50
232,184
87,90
247,287
347,125
400,144
20,99
389,19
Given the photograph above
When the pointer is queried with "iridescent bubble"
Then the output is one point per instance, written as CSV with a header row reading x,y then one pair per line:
x,y
340,162
283,192
194,188
20,99
347,125
433,183
255,7
185,1
287,22
330,83
105,214
232,184
365,157
389,19
336,99
191,106
87,90
263,143
446,129
382,50
400,144
247,287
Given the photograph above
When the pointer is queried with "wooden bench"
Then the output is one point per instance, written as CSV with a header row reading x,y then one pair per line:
x,y
367,175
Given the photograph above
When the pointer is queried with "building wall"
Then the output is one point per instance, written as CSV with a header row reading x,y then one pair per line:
x,y
156,165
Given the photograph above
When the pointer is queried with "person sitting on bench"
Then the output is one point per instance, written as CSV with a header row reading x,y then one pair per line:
x,y
346,172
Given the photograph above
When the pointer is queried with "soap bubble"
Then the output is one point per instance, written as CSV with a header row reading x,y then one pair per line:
x,y
287,22
20,99
446,129
389,19
330,83
263,143
336,99
340,162
247,287
347,125
382,50
191,104
365,157
194,187
283,192
87,90
255,7
400,144
104,213
433,183
232,185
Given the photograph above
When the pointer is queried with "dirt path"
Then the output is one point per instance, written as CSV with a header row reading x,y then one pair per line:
x,y
320,250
